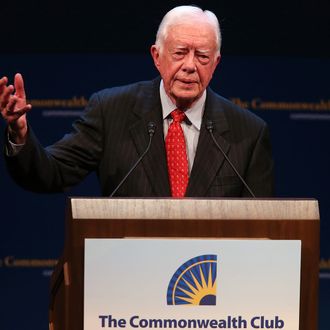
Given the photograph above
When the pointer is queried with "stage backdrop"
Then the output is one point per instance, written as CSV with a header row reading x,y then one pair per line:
x,y
291,94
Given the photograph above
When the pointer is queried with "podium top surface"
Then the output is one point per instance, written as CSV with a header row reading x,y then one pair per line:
x,y
192,208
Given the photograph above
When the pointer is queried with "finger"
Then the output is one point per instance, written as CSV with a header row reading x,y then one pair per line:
x,y
3,83
13,115
20,112
19,85
10,108
4,99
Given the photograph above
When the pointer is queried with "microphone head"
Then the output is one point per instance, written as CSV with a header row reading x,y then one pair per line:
x,y
151,128
209,125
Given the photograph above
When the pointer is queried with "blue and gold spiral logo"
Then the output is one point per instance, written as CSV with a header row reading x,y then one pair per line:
x,y
194,283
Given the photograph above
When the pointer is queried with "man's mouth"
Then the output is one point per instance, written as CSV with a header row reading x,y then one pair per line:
x,y
187,81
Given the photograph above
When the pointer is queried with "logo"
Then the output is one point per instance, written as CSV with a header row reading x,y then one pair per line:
x,y
194,283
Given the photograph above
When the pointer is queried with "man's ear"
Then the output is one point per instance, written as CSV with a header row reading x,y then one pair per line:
x,y
218,59
154,50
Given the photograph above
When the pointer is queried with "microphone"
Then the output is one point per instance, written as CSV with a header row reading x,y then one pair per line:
x,y
210,127
151,128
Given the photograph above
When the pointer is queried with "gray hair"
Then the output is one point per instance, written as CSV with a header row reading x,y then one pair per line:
x,y
179,13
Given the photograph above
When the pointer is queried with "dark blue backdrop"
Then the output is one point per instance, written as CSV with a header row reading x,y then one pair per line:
x,y
32,225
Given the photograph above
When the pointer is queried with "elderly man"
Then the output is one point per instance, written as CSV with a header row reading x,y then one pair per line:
x,y
200,144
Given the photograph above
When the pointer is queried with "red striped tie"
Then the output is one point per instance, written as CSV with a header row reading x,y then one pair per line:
x,y
177,161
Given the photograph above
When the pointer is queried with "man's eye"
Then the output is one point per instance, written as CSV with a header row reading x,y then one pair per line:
x,y
203,58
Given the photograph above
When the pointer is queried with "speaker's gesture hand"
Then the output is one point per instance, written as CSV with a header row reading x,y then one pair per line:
x,y
13,107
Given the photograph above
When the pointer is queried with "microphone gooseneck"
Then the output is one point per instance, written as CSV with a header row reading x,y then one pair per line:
x,y
151,128
210,127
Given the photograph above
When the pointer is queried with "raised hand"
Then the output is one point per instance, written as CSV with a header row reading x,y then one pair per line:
x,y
13,107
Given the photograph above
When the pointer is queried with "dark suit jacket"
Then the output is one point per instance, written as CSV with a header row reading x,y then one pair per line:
x,y
112,134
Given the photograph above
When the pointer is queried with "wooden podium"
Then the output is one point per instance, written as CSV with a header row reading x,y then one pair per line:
x,y
287,219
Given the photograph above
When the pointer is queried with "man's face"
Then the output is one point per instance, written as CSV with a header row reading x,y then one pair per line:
x,y
187,61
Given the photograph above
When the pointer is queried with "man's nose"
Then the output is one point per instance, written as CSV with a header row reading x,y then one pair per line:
x,y
189,64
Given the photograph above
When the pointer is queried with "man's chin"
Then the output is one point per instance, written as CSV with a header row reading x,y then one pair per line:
x,y
185,101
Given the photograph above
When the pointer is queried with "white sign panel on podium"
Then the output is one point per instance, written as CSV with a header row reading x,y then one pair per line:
x,y
191,284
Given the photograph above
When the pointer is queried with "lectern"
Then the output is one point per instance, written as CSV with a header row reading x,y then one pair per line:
x,y
280,219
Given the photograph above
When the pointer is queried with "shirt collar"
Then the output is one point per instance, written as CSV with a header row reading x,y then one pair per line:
x,y
194,114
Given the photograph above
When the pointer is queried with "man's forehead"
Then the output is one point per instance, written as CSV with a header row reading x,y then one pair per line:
x,y
185,42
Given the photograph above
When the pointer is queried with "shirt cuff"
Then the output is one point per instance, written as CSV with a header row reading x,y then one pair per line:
x,y
12,149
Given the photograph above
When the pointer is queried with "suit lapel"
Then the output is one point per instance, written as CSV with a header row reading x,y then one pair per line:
x,y
208,159
154,162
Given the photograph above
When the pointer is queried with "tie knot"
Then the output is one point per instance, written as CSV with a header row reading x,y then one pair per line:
x,y
178,115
